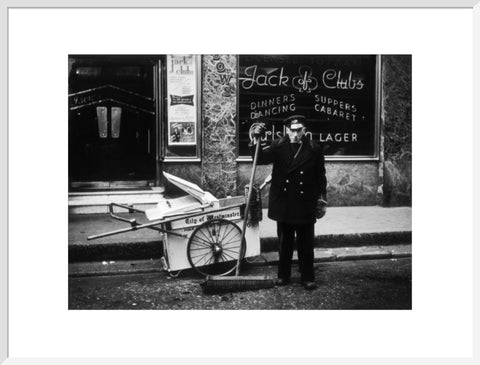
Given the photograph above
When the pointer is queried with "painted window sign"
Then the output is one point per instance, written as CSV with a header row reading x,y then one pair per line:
x,y
337,94
182,92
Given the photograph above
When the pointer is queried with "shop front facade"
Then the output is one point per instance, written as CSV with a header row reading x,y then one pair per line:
x,y
132,117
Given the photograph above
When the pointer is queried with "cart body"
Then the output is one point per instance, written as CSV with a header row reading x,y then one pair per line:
x,y
197,225
175,247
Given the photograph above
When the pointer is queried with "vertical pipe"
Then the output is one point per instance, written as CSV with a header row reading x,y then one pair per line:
x,y
380,131
158,122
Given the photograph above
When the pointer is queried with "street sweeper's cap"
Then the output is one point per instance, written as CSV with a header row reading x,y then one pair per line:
x,y
295,122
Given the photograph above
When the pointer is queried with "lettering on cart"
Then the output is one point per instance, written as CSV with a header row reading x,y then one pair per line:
x,y
230,214
224,215
195,220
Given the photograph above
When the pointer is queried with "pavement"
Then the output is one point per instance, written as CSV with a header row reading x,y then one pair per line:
x,y
345,233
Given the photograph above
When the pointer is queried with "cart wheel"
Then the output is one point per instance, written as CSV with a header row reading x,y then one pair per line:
x,y
214,246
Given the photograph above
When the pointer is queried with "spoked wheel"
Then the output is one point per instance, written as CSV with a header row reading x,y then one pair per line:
x,y
214,247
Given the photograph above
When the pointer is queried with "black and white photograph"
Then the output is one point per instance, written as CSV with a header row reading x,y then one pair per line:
x,y
297,193
210,182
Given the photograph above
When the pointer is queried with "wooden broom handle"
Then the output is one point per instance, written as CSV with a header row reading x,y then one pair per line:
x,y
247,206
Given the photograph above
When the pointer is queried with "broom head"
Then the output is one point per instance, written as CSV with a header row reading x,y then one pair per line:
x,y
228,284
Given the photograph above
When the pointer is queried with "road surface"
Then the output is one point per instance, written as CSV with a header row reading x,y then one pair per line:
x,y
362,284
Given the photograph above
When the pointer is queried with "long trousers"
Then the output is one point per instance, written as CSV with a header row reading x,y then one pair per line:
x,y
286,235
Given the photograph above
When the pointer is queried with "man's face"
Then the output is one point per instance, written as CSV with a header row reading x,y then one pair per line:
x,y
296,134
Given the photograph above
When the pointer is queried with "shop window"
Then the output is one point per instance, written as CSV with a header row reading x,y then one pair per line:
x,y
337,93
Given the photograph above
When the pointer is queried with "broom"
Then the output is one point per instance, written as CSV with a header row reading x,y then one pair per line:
x,y
220,284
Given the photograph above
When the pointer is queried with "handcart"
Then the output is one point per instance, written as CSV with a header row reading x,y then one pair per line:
x,y
199,230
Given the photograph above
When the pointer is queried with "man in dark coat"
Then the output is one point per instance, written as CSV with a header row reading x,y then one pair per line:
x,y
297,194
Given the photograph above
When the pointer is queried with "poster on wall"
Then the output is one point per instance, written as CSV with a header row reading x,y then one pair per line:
x,y
336,93
182,94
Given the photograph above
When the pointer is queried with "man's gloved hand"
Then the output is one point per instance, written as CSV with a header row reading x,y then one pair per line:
x,y
321,208
258,130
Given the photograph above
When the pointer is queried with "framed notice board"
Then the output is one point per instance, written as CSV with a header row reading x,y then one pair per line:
x,y
338,94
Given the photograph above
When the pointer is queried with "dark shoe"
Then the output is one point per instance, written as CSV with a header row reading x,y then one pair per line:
x,y
309,285
281,282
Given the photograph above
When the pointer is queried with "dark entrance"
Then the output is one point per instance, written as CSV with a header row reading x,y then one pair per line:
x,y
112,121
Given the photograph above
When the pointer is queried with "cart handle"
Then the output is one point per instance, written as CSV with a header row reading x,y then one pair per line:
x,y
134,228
130,209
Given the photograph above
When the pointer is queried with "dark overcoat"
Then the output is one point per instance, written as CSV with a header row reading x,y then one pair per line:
x,y
297,183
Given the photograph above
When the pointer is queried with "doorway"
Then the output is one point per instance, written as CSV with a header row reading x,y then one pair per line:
x,y
112,122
